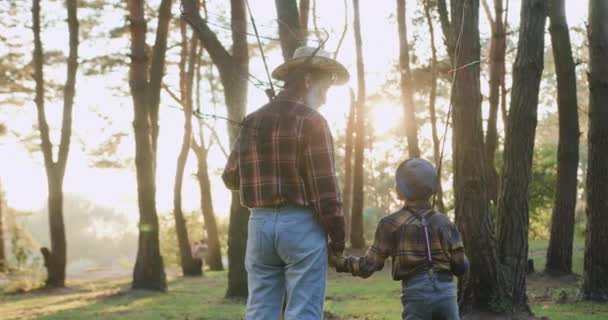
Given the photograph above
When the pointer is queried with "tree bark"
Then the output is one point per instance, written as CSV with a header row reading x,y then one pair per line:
x,y
233,69
513,215
357,239
432,101
595,275
304,11
188,59
347,192
55,258
559,254
289,26
407,92
157,69
214,256
148,272
484,287
497,66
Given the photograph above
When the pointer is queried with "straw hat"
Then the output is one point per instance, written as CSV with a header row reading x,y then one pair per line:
x,y
308,58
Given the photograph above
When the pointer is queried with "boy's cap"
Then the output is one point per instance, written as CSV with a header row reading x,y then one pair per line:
x,y
416,179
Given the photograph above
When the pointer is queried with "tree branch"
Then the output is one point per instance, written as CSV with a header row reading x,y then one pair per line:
x,y
47,148
220,56
343,30
486,9
157,66
445,23
69,91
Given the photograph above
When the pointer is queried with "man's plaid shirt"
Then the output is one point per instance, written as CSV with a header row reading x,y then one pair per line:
x,y
401,237
284,155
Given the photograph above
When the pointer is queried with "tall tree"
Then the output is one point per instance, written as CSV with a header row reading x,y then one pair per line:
x,y
432,102
407,90
513,215
233,69
214,256
187,64
145,82
55,258
485,283
357,239
497,78
559,254
289,26
595,277
347,189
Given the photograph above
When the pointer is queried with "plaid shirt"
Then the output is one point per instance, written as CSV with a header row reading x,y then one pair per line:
x,y
284,155
401,237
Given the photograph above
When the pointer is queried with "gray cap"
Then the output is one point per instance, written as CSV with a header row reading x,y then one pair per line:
x,y
416,179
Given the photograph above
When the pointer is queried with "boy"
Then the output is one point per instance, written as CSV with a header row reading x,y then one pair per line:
x,y
425,247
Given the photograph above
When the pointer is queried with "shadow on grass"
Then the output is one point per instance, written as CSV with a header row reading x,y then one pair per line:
x,y
188,298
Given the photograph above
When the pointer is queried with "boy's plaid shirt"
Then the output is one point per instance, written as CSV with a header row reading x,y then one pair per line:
x,y
284,155
401,237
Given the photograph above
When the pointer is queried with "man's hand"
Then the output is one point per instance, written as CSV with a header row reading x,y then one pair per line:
x,y
338,261
336,248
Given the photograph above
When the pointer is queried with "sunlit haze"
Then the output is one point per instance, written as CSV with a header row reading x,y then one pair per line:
x,y
100,110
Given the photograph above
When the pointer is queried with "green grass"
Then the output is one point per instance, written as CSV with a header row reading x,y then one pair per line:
x,y
537,249
203,298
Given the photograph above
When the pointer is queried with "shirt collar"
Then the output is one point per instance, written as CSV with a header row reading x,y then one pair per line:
x,y
417,204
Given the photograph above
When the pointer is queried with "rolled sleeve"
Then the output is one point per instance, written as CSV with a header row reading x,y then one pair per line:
x,y
459,263
376,255
230,176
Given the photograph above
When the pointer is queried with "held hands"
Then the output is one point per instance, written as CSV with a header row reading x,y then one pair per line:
x,y
338,261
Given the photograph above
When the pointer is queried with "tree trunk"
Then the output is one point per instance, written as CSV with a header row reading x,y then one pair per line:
x,y
357,239
347,192
55,261
304,10
188,59
513,215
432,101
407,90
55,258
559,254
148,272
289,26
214,256
235,96
484,287
497,66
232,68
595,275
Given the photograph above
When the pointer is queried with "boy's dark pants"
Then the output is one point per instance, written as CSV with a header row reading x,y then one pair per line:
x,y
429,297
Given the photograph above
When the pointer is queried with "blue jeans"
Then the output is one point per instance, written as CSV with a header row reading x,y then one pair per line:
x,y
286,258
429,298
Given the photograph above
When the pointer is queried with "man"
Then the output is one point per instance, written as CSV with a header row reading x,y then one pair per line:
x,y
283,165
425,247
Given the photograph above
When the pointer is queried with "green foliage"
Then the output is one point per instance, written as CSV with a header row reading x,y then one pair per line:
x,y
22,250
542,190
168,236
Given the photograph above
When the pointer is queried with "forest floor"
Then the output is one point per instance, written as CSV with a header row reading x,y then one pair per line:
x,y
107,296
